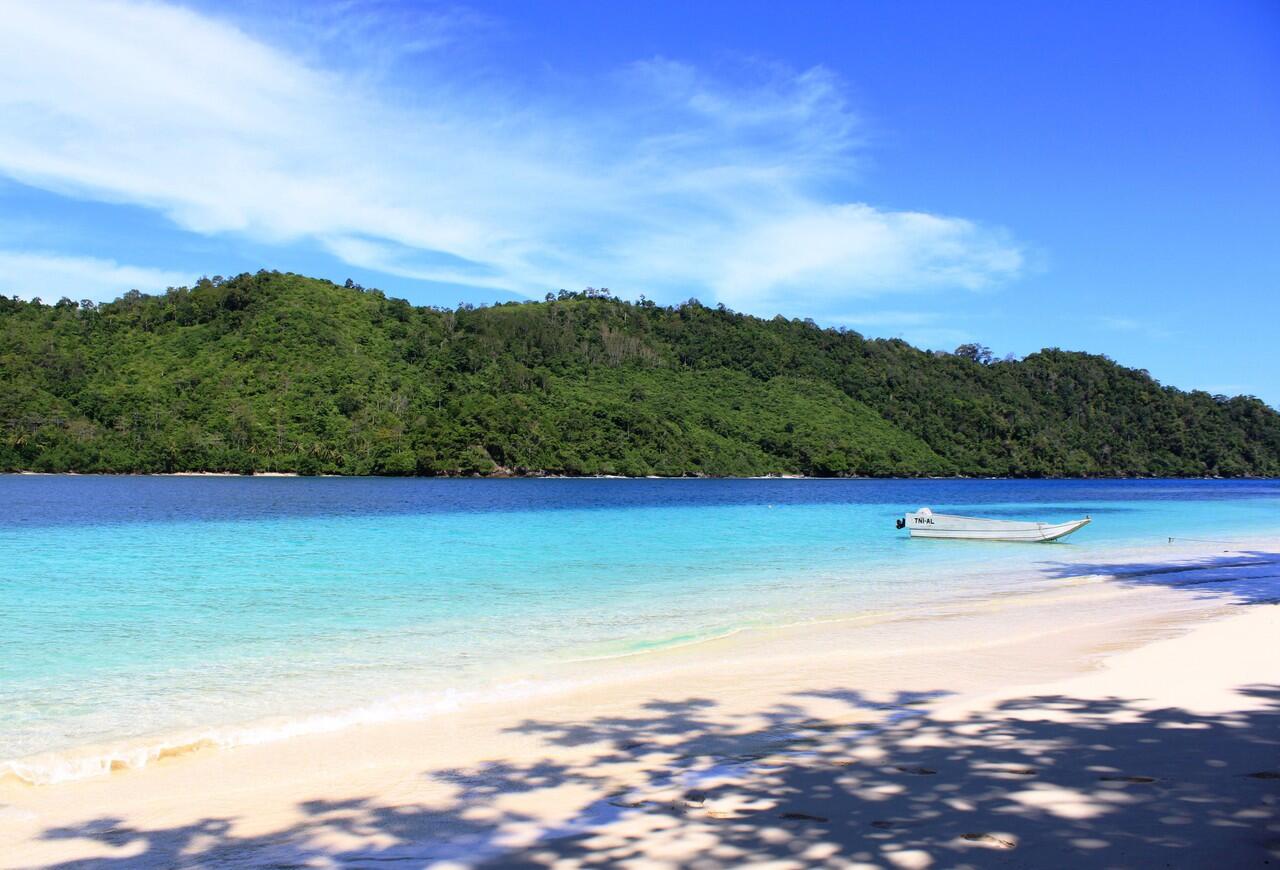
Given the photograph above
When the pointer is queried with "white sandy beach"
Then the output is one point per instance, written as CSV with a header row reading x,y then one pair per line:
x,y
1096,723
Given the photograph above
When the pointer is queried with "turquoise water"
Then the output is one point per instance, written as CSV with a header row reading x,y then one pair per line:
x,y
148,606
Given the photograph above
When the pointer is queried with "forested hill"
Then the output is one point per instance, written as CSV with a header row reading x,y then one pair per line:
x,y
277,372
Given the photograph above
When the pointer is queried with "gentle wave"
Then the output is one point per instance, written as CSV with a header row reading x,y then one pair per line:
x,y
85,762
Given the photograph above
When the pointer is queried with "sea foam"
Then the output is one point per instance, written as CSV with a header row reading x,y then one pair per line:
x,y
85,762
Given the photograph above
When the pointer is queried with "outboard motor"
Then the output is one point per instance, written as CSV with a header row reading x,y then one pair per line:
x,y
902,523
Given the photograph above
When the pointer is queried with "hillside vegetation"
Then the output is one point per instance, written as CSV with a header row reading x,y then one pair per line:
x,y
278,372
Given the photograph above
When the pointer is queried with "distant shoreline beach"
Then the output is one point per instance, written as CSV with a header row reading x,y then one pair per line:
x,y
550,476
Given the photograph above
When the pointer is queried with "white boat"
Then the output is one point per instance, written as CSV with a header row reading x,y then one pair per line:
x,y
924,523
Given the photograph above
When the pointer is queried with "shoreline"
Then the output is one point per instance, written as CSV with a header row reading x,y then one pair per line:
x,y
751,692
558,476
584,672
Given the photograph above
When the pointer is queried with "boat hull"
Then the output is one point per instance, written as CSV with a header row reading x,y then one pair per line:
x,y
931,525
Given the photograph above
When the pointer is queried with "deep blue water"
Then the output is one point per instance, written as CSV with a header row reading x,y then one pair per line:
x,y
53,500
135,606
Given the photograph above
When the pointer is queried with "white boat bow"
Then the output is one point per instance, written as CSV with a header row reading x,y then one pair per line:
x,y
924,523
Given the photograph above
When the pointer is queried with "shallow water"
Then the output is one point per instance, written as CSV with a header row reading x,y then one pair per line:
x,y
136,606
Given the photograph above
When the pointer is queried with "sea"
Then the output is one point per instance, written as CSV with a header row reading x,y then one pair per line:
x,y
139,614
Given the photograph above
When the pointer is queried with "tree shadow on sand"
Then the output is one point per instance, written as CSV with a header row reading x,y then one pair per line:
x,y
1236,576
1038,781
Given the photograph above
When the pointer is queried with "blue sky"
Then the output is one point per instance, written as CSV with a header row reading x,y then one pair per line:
x,y
1095,176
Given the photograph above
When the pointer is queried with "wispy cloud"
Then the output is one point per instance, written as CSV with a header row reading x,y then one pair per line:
x,y
1228,389
1135,326
890,318
668,182
927,329
51,276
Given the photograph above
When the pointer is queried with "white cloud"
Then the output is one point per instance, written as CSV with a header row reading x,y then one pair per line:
x,y
926,329
1228,389
51,276
1135,326
856,250
670,183
889,318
